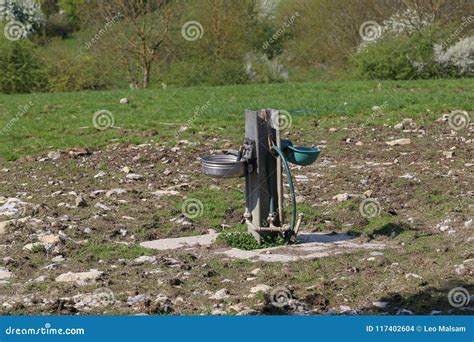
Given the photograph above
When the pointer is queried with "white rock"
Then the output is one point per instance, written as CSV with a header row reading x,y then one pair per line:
x,y
124,101
260,288
404,141
460,269
467,224
380,304
80,278
342,197
40,279
412,275
144,259
102,207
376,253
14,208
117,191
38,246
136,300
448,154
161,193
58,258
255,271
221,294
135,177
344,308
218,312
4,225
5,275
54,155
50,239
100,174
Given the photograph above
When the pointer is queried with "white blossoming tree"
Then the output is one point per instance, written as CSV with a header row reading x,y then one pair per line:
x,y
25,13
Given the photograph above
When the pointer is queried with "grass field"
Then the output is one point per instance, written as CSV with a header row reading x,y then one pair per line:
x,y
64,120
424,189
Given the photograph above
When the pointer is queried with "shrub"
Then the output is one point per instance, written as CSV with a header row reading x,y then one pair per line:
x,y
68,69
21,71
400,57
189,73
457,59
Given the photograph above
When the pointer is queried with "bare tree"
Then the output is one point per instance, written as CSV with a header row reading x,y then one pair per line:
x,y
139,35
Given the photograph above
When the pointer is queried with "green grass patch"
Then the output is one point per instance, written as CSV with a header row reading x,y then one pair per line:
x,y
110,251
240,238
64,120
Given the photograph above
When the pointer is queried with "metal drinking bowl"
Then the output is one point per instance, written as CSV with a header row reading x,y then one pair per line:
x,y
223,165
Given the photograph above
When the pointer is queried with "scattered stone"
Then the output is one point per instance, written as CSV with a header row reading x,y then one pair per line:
x,y
381,305
218,312
80,202
376,254
161,193
54,155
342,197
332,129
345,308
50,239
58,258
80,278
397,142
38,246
78,152
14,208
221,294
40,279
144,259
136,300
248,312
5,275
4,225
260,288
135,177
412,275
255,271
100,174
467,224
124,101
448,154
460,269
125,169
368,193
117,191
102,207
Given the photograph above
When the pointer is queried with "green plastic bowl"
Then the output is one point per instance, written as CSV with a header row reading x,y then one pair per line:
x,y
301,155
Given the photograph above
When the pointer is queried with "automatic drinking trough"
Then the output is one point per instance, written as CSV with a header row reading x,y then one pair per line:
x,y
262,159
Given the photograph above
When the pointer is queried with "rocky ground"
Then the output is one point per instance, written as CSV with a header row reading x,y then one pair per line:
x,y
71,224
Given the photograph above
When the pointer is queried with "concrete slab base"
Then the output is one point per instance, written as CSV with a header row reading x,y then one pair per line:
x,y
182,242
310,246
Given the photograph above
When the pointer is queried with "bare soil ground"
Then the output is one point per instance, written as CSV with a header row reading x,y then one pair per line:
x,y
81,210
